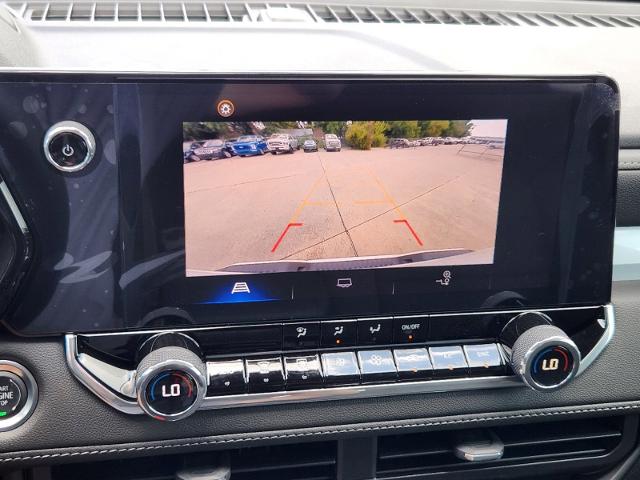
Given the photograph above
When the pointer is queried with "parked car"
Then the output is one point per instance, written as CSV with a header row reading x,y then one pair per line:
x,y
189,156
248,145
282,142
209,150
399,143
228,145
310,146
332,143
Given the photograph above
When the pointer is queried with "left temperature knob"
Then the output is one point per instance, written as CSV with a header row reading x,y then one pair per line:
x,y
171,379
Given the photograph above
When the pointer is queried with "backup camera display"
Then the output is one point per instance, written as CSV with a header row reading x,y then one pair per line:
x,y
266,197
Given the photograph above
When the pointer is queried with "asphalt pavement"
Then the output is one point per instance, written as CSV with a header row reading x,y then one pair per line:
x,y
322,205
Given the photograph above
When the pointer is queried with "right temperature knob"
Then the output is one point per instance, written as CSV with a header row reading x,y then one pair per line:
x,y
541,354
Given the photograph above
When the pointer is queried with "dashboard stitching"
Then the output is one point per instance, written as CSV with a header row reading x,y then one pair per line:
x,y
388,426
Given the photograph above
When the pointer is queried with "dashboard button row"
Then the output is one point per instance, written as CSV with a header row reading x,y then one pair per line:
x,y
293,372
360,332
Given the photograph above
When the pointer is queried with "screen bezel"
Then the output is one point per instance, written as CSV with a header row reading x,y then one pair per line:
x,y
147,261
391,290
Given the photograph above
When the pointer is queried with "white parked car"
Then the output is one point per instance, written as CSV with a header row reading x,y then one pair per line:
x,y
282,142
332,143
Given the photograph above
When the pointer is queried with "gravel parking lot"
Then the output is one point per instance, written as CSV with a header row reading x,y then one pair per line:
x,y
321,205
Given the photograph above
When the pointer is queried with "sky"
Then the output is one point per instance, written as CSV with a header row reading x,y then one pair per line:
x,y
489,128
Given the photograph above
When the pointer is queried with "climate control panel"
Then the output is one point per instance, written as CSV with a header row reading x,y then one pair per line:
x,y
170,374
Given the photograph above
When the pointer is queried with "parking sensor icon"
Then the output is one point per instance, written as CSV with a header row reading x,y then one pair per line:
x,y
344,283
226,108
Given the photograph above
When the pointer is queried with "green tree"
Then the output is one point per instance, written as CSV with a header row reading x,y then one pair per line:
x,y
337,128
423,125
203,130
437,128
403,129
366,135
458,128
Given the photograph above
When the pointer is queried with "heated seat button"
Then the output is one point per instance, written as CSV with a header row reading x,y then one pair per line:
x,y
265,374
410,329
341,333
226,377
171,392
448,361
413,363
484,359
377,365
303,371
340,368
13,394
375,331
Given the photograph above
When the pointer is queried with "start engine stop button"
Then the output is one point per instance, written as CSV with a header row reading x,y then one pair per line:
x,y
171,392
69,146
13,394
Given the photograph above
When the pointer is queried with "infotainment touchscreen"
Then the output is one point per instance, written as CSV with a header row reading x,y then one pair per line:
x,y
223,201
295,196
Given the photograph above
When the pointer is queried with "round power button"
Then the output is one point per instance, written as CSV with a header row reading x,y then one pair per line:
x,y
13,394
69,146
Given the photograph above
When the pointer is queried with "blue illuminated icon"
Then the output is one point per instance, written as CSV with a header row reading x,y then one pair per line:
x,y
240,292
240,287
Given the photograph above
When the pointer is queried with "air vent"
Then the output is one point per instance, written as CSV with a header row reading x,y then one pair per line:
x,y
560,446
212,12
302,461
315,461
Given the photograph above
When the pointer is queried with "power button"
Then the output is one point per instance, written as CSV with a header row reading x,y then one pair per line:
x,y
13,394
69,146
18,395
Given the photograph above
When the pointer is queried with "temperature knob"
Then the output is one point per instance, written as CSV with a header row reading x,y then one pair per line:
x,y
171,378
541,354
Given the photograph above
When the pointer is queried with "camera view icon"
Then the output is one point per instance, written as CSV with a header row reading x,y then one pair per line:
x,y
344,283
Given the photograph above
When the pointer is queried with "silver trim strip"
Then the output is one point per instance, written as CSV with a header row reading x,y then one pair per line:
x,y
607,335
13,206
118,379
327,394
32,395
92,383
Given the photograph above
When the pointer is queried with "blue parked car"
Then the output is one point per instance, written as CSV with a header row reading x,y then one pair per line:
x,y
248,145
